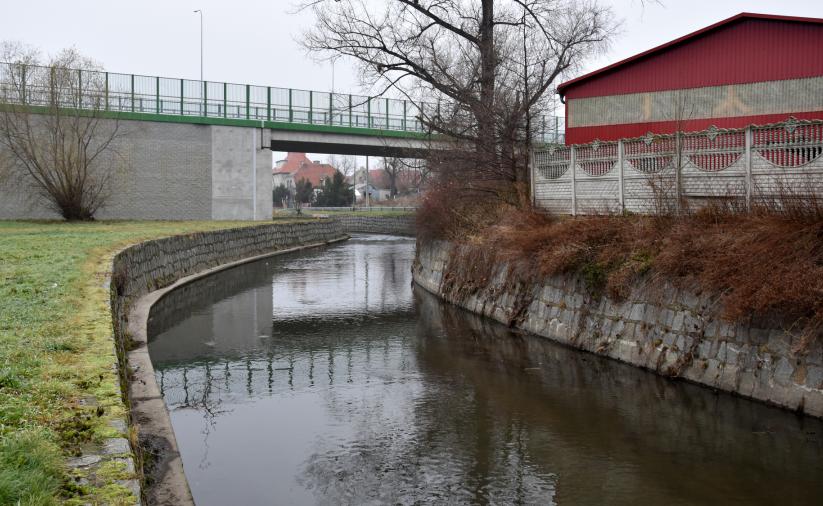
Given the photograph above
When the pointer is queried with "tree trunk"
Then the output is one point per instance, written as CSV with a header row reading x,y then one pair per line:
x,y
485,122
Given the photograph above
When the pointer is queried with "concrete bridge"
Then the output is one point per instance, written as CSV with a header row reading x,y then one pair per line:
x,y
203,150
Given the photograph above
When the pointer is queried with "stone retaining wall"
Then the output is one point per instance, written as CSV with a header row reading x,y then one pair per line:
x,y
141,275
393,225
668,331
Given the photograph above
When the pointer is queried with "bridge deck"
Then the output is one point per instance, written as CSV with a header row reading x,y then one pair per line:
x,y
153,98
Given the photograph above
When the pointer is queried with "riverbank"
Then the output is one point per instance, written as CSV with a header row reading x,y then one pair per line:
x,y
63,436
610,286
142,275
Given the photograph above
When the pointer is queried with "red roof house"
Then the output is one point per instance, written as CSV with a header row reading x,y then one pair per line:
x,y
297,166
748,69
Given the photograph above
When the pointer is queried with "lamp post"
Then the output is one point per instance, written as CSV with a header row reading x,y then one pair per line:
x,y
200,11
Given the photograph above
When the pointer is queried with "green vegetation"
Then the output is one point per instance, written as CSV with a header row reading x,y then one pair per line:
x,y
58,391
335,192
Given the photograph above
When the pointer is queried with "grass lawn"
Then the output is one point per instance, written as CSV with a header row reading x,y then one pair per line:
x,y
56,352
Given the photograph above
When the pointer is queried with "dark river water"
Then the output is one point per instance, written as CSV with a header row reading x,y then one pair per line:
x,y
324,377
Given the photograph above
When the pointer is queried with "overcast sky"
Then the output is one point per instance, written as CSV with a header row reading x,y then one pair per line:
x,y
254,41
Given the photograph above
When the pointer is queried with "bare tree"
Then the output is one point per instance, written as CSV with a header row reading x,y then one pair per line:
x,y
477,69
394,168
346,164
53,131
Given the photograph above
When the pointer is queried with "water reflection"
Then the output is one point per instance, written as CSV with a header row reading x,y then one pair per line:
x,y
323,378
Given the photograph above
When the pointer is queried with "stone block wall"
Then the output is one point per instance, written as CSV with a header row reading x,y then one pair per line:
x,y
391,225
672,332
154,264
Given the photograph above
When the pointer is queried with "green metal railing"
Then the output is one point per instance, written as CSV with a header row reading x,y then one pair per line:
x,y
162,96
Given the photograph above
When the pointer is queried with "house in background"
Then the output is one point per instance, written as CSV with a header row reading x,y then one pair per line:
x,y
297,166
378,185
748,69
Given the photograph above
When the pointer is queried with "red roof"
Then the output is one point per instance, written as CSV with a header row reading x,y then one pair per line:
x,y
563,88
300,167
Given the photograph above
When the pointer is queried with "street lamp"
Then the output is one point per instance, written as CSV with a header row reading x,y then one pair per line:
x,y
200,11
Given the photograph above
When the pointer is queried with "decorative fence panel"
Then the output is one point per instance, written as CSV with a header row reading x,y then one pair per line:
x,y
552,179
661,173
648,174
787,160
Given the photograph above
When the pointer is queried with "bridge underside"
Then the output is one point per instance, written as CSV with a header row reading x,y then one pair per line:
x,y
187,170
350,144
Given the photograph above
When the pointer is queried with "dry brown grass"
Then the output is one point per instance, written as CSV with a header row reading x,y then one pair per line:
x,y
766,263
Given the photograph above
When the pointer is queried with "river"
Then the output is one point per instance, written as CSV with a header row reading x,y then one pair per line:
x,y
325,377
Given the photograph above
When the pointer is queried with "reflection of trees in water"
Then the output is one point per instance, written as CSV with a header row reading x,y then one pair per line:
x,y
339,346
450,407
203,402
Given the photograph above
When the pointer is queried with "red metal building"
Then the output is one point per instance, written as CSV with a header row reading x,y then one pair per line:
x,y
748,69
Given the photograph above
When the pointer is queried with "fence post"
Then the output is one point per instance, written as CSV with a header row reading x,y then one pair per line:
x,y
181,97
573,162
311,107
157,95
748,178
331,108
268,103
248,101
79,89
387,114
678,157
350,110
620,175
556,130
404,115
368,111
106,87
531,172
225,100
205,99
132,93
291,113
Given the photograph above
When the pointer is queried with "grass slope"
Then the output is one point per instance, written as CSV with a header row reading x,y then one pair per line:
x,y
56,352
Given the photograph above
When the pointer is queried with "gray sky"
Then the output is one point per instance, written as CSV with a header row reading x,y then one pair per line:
x,y
253,41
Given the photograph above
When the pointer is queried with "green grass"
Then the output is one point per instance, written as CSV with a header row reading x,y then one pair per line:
x,y
56,351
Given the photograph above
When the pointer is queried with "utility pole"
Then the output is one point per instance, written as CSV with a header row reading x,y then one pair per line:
x,y
368,192
200,11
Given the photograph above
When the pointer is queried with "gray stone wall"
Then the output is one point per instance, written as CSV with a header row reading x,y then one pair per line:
x,y
170,171
671,332
151,265
391,225
154,264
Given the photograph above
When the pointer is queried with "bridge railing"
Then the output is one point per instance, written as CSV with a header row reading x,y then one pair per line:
x,y
154,95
